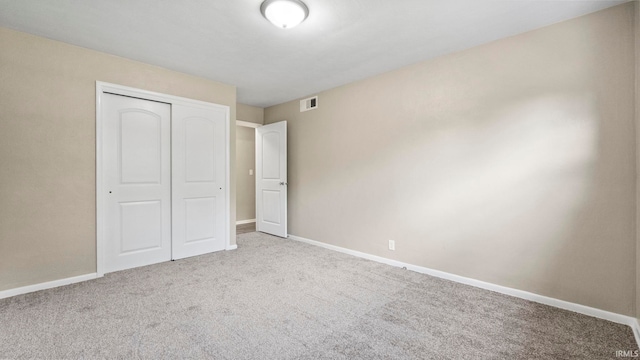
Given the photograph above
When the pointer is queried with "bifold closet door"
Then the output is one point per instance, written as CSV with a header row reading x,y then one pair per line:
x,y
137,163
199,180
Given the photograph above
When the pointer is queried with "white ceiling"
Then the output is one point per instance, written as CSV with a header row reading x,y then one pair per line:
x,y
229,41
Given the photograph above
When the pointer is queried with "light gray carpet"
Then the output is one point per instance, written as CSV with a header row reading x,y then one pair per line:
x,y
279,299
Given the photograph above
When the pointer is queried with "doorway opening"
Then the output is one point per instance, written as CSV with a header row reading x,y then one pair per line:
x,y
264,205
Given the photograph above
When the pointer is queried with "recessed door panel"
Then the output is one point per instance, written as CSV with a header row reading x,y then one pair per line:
x,y
140,147
199,149
200,219
271,207
271,155
141,226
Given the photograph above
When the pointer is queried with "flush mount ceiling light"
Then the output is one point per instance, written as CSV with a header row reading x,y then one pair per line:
x,y
284,14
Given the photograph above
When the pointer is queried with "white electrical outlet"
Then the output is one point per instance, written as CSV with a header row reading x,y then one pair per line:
x,y
250,171
392,244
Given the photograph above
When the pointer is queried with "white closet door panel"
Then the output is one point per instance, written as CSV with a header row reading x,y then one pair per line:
x,y
199,180
136,156
200,219
199,150
141,225
140,147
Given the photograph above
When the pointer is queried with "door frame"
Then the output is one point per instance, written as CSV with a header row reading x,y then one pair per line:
x,y
104,87
254,126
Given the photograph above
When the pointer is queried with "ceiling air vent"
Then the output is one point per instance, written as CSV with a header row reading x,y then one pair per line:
x,y
309,104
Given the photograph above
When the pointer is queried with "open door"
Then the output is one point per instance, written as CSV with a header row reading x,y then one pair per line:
x,y
271,179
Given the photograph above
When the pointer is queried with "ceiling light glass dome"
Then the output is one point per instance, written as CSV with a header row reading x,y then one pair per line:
x,y
284,14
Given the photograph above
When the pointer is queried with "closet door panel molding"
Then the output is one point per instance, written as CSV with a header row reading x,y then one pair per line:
x,y
182,189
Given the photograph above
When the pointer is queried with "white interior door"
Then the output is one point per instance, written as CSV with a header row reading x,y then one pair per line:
x,y
136,158
199,180
271,179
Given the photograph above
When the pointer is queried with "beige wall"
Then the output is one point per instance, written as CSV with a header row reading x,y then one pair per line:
x,y
511,163
246,183
250,113
47,150
637,77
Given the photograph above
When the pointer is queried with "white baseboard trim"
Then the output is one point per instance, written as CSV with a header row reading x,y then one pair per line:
x,y
581,309
232,247
47,285
241,222
636,330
